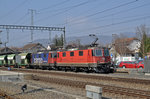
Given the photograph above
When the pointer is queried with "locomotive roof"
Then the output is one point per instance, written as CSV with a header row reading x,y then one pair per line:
x,y
73,49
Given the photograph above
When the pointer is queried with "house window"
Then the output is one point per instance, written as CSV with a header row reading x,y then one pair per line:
x,y
80,53
71,53
64,54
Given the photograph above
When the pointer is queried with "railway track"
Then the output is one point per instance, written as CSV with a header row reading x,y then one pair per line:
x,y
106,88
81,84
95,77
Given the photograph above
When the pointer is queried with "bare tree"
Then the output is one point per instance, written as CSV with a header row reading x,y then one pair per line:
x,y
120,44
142,34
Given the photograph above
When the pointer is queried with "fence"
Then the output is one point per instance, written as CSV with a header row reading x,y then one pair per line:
x,y
147,65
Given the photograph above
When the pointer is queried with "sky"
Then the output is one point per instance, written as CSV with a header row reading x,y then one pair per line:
x,y
79,17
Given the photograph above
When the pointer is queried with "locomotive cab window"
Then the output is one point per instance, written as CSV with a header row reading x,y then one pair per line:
x,y
106,52
71,53
80,53
97,52
64,54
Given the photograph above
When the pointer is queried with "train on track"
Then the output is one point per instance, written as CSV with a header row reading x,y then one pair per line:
x,y
90,59
94,59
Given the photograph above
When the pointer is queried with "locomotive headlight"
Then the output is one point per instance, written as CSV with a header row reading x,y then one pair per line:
x,y
103,59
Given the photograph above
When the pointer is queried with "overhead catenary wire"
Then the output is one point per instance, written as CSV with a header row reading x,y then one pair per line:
x,y
65,9
109,9
109,15
55,5
131,20
20,19
112,31
12,10
117,23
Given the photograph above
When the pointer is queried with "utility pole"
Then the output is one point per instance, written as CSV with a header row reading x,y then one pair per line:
x,y
49,37
32,22
64,39
7,35
0,38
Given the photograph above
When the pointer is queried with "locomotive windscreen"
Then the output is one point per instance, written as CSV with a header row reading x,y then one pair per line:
x,y
106,52
97,52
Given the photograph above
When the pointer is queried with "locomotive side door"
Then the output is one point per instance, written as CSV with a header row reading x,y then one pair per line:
x,y
52,58
90,57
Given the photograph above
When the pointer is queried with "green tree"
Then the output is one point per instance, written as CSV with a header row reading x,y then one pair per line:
x,y
58,41
142,34
147,43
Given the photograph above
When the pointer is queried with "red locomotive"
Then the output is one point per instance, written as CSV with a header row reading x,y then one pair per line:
x,y
94,59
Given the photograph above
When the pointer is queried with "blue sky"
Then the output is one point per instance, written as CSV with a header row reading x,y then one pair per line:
x,y
80,17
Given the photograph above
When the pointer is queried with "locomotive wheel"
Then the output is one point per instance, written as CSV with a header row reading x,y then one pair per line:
x,y
95,69
76,69
86,70
66,70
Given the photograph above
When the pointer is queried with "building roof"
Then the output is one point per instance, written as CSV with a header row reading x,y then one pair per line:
x,y
5,50
30,46
33,47
125,40
16,49
121,45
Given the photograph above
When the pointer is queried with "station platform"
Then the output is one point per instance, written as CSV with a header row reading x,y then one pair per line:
x,y
129,70
9,76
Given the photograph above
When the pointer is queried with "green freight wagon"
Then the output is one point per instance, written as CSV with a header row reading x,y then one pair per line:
x,y
11,60
25,59
3,60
